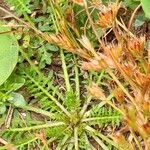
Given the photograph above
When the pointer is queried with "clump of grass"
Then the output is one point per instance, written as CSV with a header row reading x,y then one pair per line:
x,y
68,122
125,59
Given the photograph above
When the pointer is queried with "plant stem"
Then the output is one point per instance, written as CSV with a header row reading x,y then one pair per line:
x,y
86,104
38,32
77,82
47,125
122,88
100,104
112,105
70,146
39,111
76,138
93,131
19,145
143,64
49,141
28,19
54,17
133,15
63,142
100,77
90,146
100,118
102,145
136,139
125,28
90,97
91,21
66,76
27,142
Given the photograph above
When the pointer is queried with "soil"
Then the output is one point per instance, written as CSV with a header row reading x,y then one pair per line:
x,y
2,14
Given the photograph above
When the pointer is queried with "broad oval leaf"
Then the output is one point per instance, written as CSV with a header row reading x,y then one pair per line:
x,y
17,100
146,7
2,109
8,52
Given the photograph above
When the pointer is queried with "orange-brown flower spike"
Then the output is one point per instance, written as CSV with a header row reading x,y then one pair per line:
x,y
136,45
116,49
147,144
139,77
96,92
93,65
119,95
146,127
79,2
119,138
108,14
146,108
128,69
87,44
130,118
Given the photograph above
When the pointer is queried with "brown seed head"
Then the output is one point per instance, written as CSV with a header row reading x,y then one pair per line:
x,y
130,118
93,65
79,2
119,95
119,138
86,43
146,107
128,68
147,144
116,49
107,15
107,60
136,45
139,77
62,41
147,128
97,92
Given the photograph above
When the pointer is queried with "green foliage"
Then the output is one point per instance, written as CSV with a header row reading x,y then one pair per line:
x,y
12,84
105,115
71,101
131,3
40,87
2,108
21,139
44,54
20,6
140,20
134,3
146,7
8,53
17,100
